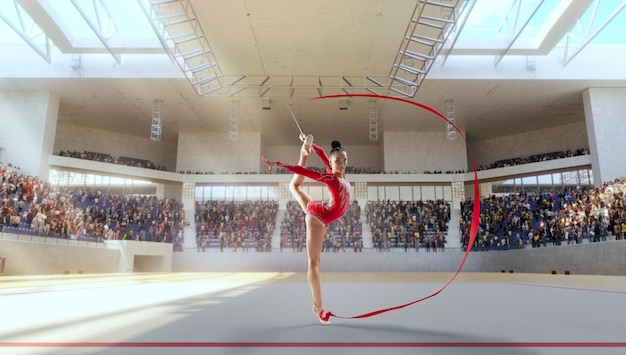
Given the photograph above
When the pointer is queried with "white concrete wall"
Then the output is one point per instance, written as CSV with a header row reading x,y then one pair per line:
x,y
68,256
28,122
358,156
417,152
80,138
144,256
33,255
605,112
217,153
578,259
562,138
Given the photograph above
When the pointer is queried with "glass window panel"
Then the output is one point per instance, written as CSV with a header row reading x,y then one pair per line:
x,y
530,183
218,193
447,193
117,181
392,193
517,185
417,193
584,177
199,193
240,193
381,193
438,192
428,193
101,180
229,193
77,179
406,193
372,193
253,193
546,179
570,178
545,182
273,193
136,182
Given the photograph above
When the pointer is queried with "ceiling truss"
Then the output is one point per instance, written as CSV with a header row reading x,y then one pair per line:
x,y
27,29
587,34
101,23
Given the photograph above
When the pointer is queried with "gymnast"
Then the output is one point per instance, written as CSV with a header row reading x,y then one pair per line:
x,y
319,214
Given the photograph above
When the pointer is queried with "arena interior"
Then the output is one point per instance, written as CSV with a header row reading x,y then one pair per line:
x,y
485,144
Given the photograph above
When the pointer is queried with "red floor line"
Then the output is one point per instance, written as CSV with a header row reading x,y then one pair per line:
x,y
313,345
569,288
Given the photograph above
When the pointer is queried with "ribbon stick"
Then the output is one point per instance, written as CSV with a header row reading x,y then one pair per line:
x,y
475,214
294,119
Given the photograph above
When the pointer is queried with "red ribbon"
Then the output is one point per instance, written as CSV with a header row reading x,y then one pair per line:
x,y
475,214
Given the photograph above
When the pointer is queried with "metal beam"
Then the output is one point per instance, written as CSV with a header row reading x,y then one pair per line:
x,y
178,29
429,28
25,27
100,24
462,19
517,31
587,35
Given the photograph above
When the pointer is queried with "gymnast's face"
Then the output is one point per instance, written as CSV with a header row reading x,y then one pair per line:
x,y
339,161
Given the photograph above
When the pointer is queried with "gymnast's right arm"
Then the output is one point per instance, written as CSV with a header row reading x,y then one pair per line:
x,y
296,169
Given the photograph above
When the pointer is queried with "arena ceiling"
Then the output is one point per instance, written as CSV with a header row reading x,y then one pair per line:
x,y
513,67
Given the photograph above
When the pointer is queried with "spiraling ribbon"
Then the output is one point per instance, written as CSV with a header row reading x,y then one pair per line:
x,y
475,213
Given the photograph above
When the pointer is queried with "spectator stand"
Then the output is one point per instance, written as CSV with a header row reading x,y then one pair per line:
x,y
410,225
572,216
33,207
235,225
344,234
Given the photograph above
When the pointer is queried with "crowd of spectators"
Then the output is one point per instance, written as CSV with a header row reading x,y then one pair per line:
x,y
32,206
108,158
235,225
342,234
552,218
409,224
535,158
143,163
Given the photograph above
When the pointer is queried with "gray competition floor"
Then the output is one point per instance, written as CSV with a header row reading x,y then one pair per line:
x,y
269,313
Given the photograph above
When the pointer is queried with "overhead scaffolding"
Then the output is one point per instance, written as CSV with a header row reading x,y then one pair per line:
x,y
178,29
25,27
429,28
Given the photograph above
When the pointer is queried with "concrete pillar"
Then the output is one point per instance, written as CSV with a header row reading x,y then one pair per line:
x,y
28,121
189,202
605,116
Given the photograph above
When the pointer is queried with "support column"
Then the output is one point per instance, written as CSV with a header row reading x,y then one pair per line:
x,y
189,202
28,121
605,115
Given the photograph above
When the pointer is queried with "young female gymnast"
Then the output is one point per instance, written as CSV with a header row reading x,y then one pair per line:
x,y
319,214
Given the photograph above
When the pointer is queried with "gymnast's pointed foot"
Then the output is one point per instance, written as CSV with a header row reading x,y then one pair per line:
x,y
322,315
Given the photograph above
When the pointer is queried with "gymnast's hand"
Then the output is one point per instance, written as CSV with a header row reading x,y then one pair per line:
x,y
270,164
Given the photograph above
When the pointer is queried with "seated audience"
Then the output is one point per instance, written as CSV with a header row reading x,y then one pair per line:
x,y
237,225
32,206
551,218
107,158
408,224
344,233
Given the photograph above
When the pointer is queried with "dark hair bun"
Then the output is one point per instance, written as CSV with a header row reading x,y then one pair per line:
x,y
335,144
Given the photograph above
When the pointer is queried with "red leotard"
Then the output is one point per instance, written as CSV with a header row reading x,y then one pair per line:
x,y
340,190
